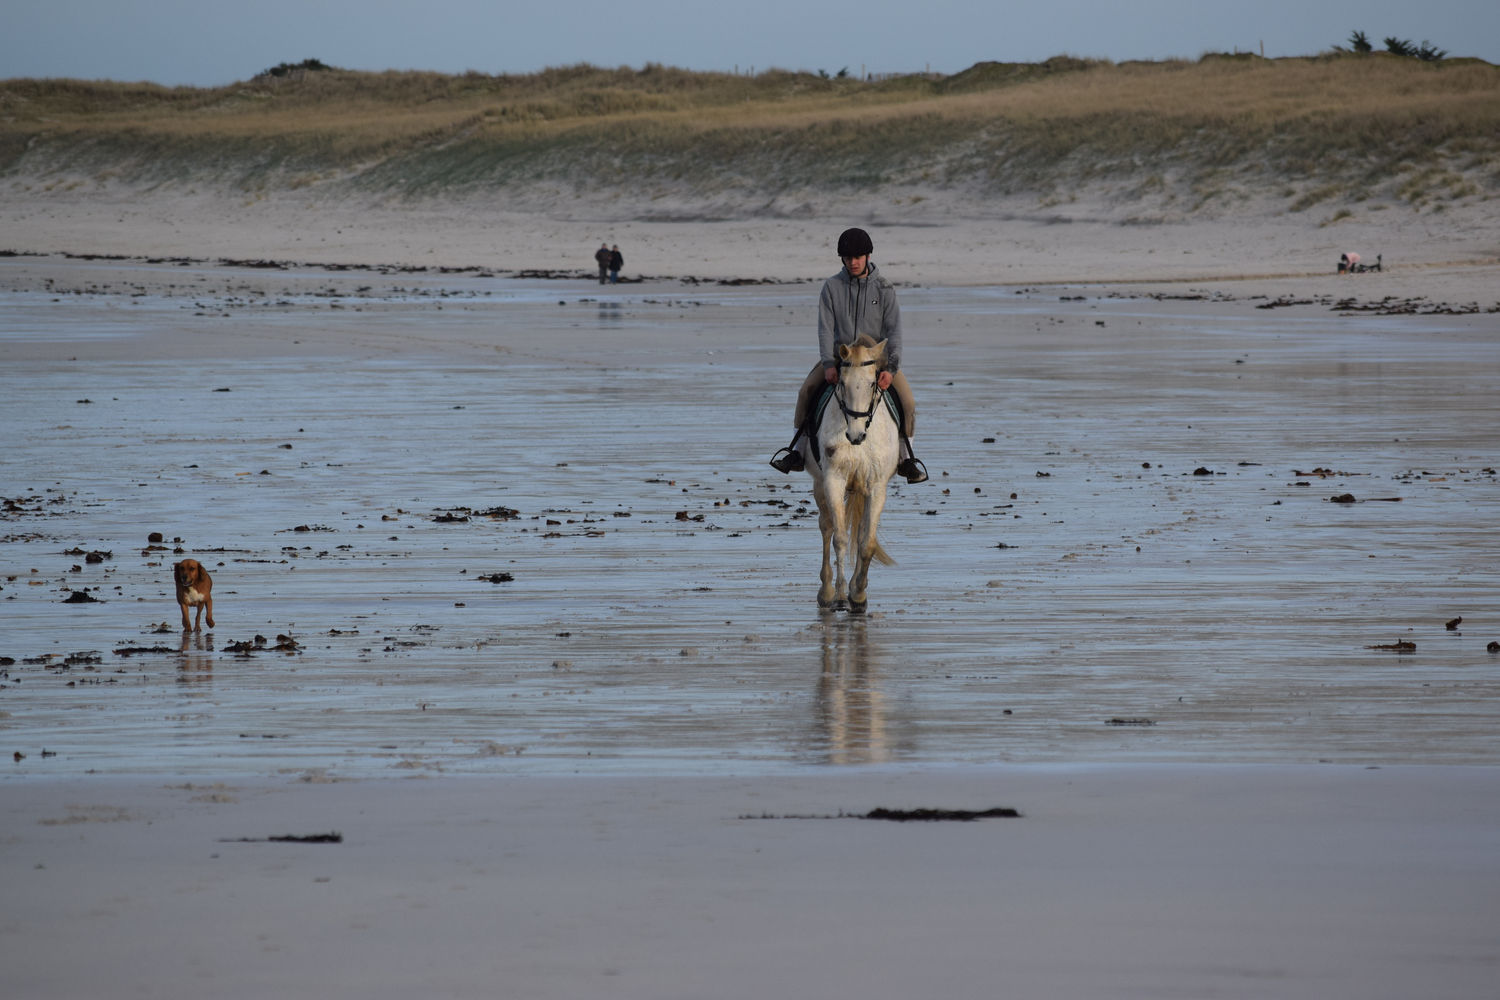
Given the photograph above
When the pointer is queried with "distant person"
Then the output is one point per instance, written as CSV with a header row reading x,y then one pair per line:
x,y
1348,262
616,262
602,257
856,300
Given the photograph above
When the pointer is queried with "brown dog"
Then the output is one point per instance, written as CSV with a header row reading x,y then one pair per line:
x,y
194,587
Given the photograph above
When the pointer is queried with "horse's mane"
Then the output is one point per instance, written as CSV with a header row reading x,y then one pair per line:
x,y
865,340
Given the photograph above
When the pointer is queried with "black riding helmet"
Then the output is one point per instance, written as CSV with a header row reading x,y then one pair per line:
x,y
855,243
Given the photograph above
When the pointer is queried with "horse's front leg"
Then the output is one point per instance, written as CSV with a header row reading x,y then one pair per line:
x,y
825,575
832,519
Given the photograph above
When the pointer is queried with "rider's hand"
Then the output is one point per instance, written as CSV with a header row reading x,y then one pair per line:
x,y
884,381
830,375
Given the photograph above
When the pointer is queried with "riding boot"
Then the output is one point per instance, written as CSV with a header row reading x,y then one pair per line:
x,y
789,459
910,466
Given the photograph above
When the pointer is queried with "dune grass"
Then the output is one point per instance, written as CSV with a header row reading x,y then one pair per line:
x,y
1318,127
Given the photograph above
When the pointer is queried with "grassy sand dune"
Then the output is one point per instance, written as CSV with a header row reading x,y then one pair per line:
x,y
1223,136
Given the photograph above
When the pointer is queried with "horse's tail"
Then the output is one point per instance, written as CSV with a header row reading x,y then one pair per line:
x,y
855,513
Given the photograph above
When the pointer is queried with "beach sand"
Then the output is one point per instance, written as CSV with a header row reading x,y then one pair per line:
x,y
1444,257
634,768
1141,881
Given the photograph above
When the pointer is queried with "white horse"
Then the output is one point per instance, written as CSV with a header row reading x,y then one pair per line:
x,y
856,454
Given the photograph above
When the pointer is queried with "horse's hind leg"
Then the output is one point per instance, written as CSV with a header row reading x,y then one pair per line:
x,y
854,514
864,525
859,600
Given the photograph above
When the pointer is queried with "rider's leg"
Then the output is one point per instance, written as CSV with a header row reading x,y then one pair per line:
x,y
789,459
902,389
909,465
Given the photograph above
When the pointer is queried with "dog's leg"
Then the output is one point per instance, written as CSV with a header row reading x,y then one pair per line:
x,y
208,606
187,626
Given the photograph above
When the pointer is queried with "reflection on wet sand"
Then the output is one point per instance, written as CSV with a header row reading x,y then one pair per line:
x,y
640,594
197,664
853,717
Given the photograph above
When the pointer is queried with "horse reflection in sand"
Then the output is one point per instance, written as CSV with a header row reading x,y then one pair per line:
x,y
853,715
851,461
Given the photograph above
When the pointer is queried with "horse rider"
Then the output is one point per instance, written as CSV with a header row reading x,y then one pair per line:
x,y
856,300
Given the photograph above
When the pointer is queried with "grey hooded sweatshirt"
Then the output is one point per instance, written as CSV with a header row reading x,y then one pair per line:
x,y
851,306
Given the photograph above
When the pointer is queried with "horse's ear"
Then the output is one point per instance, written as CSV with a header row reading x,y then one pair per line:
x,y
843,352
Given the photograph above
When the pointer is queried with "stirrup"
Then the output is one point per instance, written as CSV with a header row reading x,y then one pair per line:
x,y
787,460
913,469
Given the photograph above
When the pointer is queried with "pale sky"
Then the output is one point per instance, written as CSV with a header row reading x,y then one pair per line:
x,y
214,42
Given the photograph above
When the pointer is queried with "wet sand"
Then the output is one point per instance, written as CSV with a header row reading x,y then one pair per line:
x,y
1130,520
1127,580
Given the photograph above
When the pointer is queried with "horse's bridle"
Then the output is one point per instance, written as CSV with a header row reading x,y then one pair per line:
x,y
868,415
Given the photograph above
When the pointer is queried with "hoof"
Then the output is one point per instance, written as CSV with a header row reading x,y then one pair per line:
x,y
838,604
858,607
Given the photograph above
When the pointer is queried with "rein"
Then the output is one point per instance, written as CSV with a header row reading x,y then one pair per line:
x,y
867,415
